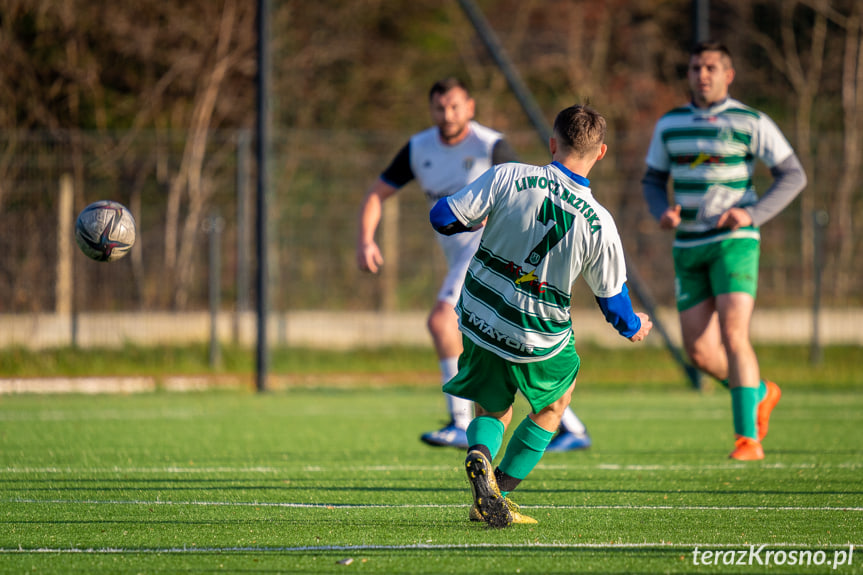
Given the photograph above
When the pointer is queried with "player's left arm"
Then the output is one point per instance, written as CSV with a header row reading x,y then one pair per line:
x,y
618,311
789,179
607,271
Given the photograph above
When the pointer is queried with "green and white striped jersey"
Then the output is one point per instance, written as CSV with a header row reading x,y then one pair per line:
x,y
544,229
710,154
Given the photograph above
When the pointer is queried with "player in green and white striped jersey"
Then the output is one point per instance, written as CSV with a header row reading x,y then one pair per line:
x,y
709,149
543,230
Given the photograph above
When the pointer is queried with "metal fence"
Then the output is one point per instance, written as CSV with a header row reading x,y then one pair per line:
x,y
190,273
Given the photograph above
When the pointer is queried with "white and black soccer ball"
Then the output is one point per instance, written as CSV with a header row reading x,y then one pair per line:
x,y
105,231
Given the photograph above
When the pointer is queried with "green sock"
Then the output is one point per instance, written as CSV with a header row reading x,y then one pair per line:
x,y
744,406
525,449
485,430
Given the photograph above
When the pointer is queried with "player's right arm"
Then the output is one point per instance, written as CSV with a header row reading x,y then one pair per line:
x,y
369,257
654,186
443,219
397,174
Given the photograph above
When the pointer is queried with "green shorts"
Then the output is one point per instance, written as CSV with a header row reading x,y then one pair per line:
x,y
705,271
492,382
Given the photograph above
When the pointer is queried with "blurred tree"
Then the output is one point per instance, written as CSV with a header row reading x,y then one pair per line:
x,y
148,66
817,47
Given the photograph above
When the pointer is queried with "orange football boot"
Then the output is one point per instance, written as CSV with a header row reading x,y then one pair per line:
x,y
765,407
747,449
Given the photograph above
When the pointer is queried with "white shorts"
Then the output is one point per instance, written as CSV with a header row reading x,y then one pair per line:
x,y
459,250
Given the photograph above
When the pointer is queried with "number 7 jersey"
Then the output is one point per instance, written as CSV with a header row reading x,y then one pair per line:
x,y
544,229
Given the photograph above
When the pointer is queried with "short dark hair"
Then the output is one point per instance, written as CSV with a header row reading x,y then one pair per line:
x,y
712,46
581,129
445,85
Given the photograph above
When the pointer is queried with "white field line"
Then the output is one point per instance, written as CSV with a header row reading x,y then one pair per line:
x,y
166,413
447,468
422,546
59,415
391,468
334,506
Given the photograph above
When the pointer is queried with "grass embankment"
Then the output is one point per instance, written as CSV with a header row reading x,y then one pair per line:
x,y
636,366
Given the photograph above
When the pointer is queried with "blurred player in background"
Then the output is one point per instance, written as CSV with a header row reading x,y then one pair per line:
x,y
543,230
443,159
709,148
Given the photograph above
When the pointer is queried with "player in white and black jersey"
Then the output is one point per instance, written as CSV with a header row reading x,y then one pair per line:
x,y
442,159
708,148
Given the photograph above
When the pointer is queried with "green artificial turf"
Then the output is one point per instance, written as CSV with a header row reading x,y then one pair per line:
x,y
297,481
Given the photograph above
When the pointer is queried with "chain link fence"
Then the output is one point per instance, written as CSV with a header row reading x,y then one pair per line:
x,y
196,217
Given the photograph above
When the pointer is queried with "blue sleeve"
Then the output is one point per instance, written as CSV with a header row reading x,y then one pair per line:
x,y
619,313
654,186
443,220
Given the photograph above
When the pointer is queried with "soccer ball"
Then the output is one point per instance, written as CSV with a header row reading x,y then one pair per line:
x,y
105,231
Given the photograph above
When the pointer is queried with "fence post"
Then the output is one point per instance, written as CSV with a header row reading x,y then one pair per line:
x,y
65,242
390,249
262,152
820,219
213,227
242,183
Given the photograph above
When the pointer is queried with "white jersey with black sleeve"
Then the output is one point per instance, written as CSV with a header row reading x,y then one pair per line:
x,y
544,230
441,170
